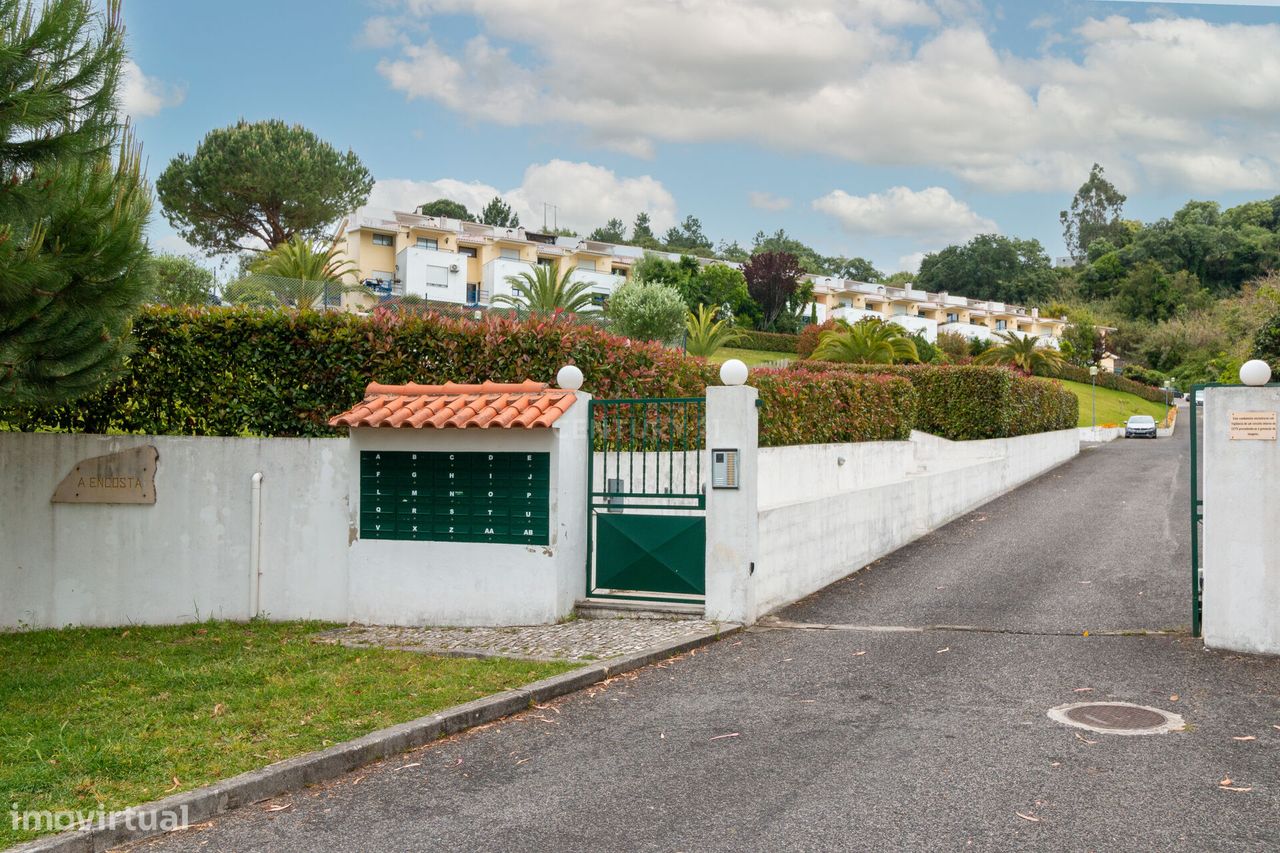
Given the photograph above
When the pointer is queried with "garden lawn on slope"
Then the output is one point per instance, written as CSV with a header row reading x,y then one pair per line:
x,y
113,717
1114,407
750,357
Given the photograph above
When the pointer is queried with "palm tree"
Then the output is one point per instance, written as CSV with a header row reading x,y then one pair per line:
x,y
544,290
706,334
302,273
1024,353
869,341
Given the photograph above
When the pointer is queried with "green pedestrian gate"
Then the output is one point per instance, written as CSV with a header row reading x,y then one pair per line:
x,y
646,508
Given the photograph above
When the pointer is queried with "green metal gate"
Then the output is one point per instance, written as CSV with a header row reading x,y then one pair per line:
x,y
646,509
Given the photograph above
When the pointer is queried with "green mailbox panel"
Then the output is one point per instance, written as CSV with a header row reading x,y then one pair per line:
x,y
455,497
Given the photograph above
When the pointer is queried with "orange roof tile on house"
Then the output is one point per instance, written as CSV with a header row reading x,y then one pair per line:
x,y
522,404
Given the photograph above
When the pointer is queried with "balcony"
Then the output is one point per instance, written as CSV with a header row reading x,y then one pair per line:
x,y
494,279
601,282
968,330
432,275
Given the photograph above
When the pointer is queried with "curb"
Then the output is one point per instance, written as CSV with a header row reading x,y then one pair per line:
x,y
292,774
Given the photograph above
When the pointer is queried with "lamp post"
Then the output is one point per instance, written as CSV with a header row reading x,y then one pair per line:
x,y
1093,393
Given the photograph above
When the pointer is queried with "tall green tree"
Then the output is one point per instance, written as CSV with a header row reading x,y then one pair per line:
x,y
688,236
180,280
448,208
73,263
1095,214
642,232
498,212
990,266
613,231
260,183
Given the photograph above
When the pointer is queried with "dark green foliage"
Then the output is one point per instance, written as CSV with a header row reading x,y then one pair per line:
x,y
179,280
1130,385
1266,343
498,212
990,267
767,341
969,402
74,201
642,232
614,231
821,407
718,285
1094,215
447,208
260,182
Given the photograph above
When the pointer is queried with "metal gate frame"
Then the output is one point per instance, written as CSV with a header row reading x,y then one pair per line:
x,y
625,440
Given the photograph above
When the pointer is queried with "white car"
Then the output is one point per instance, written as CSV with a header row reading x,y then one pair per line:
x,y
1140,426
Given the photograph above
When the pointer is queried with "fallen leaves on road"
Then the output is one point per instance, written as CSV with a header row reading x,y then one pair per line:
x,y
1276,728
721,737
1245,737
278,808
175,786
1174,697
414,764
1031,818
1086,633
940,651
1083,690
1228,784
1085,581
1085,739
864,651
523,760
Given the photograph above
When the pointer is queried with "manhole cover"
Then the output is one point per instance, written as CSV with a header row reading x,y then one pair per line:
x,y
1117,718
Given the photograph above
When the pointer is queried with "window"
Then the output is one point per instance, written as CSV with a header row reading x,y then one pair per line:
x,y
545,262
437,276
510,254
383,240
1000,325
473,292
953,317
622,271
469,251
428,243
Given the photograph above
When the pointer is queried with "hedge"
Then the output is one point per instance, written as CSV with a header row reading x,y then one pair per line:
x,y
229,371
823,407
810,335
767,341
1110,380
965,402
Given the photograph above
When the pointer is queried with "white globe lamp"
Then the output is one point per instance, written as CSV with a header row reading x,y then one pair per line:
x,y
1255,372
733,372
569,377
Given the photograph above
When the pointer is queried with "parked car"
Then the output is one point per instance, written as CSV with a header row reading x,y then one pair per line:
x,y
1140,426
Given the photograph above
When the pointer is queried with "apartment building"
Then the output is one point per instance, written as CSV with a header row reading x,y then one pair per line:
x,y
930,313
466,263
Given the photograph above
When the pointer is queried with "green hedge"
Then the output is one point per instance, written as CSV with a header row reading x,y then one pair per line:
x,y
823,407
964,402
232,371
1110,380
767,341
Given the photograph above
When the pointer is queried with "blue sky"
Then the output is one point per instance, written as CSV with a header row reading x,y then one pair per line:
x,y
880,128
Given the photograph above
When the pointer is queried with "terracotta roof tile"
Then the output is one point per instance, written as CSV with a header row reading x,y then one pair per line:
x,y
490,404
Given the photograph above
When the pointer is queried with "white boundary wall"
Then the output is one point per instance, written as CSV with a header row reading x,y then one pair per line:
x,y
187,556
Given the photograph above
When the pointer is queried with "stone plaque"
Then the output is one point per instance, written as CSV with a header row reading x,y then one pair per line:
x,y
125,477
1256,426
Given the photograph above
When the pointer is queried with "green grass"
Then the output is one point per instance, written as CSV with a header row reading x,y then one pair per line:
x,y
118,716
750,357
1114,407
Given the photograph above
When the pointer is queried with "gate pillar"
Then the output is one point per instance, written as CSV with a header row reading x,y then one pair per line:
x,y
732,511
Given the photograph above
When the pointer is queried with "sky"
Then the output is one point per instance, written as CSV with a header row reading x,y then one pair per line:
x,y
883,129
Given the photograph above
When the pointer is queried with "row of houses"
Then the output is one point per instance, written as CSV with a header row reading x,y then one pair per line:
x,y
396,254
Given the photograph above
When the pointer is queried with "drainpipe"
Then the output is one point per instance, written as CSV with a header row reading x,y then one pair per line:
x,y
255,545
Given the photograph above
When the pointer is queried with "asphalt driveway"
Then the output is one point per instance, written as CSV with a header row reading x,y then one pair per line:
x,y
827,735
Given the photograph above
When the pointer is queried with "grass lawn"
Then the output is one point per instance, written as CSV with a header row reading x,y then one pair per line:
x,y
750,357
117,716
1114,407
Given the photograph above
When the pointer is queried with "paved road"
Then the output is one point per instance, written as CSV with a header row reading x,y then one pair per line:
x,y
815,739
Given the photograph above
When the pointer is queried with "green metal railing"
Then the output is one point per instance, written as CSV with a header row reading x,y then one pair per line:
x,y
641,440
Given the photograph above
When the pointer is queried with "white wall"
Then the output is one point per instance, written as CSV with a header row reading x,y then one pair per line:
x,y
1241,606
910,488
412,266
187,556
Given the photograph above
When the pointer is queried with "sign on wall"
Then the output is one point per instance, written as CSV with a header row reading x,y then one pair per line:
x,y
124,477
455,497
1253,426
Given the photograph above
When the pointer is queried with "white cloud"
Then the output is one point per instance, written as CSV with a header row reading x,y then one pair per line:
x,y
932,213
142,96
845,79
380,32
911,263
585,196
767,201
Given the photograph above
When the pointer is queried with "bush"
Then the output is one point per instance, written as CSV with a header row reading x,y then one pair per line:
x,y
968,402
809,336
1112,381
822,407
767,341
1266,343
647,311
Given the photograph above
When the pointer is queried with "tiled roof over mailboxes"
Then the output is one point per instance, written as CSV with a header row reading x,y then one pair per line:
x,y
490,404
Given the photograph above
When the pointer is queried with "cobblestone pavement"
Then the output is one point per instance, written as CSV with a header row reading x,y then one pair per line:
x,y
579,640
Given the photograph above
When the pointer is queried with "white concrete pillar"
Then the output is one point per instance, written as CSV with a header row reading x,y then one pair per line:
x,y
732,514
1241,607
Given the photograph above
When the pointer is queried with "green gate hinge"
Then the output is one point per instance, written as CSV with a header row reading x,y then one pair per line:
x,y
759,403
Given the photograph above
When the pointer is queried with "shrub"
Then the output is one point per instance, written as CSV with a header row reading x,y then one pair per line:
x,y
822,407
971,402
767,341
1266,343
810,335
1112,381
647,311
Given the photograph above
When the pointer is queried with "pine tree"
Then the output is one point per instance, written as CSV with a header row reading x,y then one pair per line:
x,y
73,201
